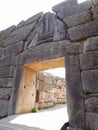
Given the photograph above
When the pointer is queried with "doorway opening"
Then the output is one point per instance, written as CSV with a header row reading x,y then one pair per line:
x,y
40,89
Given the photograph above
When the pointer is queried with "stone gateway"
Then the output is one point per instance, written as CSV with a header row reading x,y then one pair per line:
x,y
68,37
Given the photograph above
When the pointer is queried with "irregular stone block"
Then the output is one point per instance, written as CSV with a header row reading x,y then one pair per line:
x,y
89,60
6,82
90,81
72,48
91,104
34,18
69,10
64,4
50,51
19,35
92,121
73,85
4,104
77,19
6,33
6,72
15,48
7,60
83,31
5,93
91,44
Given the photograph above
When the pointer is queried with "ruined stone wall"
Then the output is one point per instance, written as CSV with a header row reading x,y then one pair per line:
x,y
51,90
70,32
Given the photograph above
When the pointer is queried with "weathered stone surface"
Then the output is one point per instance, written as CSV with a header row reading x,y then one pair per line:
x,y
14,93
77,19
95,12
90,81
89,60
74,84
4,107
7,60
14,48
92,121
71,128
6,72
33,18
19,35
6,33
49,29
6,82
91,44
61,48
72,48
1,51
47,49
68,10
5,93
91,104
83,31
64,4
95,2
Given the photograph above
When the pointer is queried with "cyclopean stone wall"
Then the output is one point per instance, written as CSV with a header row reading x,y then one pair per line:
x,y
71,32
50,90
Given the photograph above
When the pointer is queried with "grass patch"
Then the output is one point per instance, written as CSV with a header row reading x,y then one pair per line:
x,y
35,110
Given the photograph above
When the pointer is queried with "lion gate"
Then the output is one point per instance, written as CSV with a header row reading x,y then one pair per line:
x,y
68,37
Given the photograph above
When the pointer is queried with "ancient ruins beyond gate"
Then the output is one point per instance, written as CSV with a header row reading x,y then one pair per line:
x,y
71,33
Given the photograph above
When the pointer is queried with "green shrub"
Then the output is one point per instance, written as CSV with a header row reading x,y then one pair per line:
x,y
35,110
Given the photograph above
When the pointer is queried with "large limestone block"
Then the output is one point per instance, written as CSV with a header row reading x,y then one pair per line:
x,y
65,10
91,44
92,121
7,60
91,104
77,19
90,81
7,72
89,60
83,31
14,48
4,104
74,91
5,93
6,82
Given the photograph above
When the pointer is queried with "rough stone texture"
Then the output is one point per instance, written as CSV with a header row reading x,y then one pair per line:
x,y
46,37
50,90
89,60
65,10
14,49
91,44
83,31
6,82
74,91
78,19
6,72
90,81
5,93
4,107
70,128
7,60
92,121
91,104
